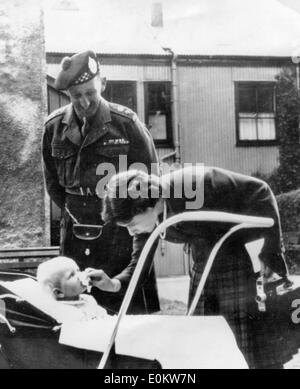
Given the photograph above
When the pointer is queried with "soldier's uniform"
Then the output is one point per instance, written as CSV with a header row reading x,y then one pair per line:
x,y
73,169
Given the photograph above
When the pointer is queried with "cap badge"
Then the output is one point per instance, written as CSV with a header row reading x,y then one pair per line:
x,y
92,65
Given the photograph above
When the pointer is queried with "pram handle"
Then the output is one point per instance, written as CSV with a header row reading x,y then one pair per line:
x,y
11,296
3,319
211,216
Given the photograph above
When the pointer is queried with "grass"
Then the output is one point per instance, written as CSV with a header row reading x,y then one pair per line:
x,y
169,307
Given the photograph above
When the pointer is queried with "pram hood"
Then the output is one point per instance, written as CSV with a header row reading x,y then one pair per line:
x,y
29,291
16,308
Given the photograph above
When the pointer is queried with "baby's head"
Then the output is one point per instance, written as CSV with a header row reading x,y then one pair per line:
x,y
60,277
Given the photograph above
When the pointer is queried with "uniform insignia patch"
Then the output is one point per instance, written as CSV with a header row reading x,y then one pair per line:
x,y
120,109
118,141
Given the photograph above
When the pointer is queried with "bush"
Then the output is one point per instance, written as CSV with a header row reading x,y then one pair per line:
x,y
287,176
289,209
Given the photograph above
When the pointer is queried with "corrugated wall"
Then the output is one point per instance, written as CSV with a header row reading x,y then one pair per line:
x,y
207,116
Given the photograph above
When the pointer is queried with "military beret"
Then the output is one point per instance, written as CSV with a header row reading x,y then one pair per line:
x,y
77,69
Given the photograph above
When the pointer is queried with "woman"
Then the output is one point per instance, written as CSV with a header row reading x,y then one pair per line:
x,y
138,202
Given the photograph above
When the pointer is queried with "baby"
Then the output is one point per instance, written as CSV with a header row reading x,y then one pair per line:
x,y
61,278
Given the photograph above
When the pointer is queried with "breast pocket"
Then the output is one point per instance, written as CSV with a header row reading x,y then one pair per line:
x,y
111,154
112,151
65,161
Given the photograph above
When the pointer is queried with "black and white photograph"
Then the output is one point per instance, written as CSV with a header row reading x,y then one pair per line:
x,y
150,187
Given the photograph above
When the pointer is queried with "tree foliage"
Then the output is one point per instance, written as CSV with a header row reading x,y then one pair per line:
x,y
287,177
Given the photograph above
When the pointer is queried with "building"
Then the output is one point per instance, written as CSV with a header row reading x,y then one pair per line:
x,y
203,82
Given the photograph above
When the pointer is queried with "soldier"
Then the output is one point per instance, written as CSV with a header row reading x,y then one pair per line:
x,y
77,139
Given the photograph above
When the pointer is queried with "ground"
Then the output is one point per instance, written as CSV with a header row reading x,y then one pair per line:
x,y
173,301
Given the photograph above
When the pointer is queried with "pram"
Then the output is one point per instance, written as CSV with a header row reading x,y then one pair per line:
x,y
29,337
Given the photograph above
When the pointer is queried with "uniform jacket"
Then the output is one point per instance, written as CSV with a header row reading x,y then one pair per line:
x,y
69,163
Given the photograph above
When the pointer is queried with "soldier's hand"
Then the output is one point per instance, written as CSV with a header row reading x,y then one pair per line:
x,y
102,281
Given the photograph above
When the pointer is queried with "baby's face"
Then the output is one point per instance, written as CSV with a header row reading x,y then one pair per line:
x,y
71,285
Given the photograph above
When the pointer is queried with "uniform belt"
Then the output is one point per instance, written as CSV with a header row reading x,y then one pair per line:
x,y
81,191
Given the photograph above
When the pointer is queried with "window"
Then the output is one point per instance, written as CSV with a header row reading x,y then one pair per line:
x,y
255,113
158,115
121,92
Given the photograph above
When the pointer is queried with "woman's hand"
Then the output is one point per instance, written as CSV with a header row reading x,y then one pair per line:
x,y
102,281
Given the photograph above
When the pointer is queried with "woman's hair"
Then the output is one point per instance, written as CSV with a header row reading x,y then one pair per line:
x,y
128,194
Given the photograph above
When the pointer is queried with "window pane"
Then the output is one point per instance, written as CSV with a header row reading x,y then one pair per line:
x,y
247,99
152,98
158,97
265,99
158,110
158,126
266,127
123,93
247,129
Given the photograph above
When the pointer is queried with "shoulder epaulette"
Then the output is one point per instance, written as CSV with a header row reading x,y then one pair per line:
x,y
54,114
123,111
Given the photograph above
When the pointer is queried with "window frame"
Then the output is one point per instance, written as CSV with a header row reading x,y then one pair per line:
x,y
254,142
133,84
168,141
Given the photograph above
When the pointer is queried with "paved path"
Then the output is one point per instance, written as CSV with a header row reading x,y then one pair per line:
x,y
174,294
